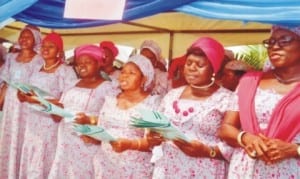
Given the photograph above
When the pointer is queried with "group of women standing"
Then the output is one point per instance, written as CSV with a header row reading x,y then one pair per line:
x,y
250,133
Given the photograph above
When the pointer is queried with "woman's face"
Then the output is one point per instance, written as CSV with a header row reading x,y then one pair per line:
x,y
197,70
131,77
49,50
26,39
86,66
109,58
150,55
286,52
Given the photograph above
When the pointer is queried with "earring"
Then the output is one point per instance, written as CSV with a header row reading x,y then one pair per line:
x,y
213,77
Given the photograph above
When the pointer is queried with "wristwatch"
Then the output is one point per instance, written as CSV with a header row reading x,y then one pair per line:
x,y
298,150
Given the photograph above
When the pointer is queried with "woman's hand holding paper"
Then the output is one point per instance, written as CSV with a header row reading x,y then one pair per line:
x,y
90,140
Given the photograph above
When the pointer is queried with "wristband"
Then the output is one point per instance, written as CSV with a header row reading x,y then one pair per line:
x,y
93,120
139,144
239,138
298,150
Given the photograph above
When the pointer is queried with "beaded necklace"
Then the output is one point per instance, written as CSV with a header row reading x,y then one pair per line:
x,y
51,66
184,112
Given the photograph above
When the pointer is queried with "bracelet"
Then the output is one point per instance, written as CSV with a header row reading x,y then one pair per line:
x,y
93,120
212,152
298,150
139,144
239,138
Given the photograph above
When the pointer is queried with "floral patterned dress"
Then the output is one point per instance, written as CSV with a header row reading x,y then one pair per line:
x,y
15,115
41,131
242,166
198,120
73,158
130,163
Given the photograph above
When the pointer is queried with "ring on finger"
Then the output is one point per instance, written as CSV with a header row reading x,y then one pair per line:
x,y
253,154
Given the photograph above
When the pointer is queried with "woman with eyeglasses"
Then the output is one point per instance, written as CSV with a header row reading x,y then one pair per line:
x,y
266,131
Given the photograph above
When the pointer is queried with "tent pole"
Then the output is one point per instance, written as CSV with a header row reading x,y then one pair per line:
x,y
171,45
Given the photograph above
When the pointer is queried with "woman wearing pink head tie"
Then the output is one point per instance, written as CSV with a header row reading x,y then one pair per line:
x,y
17,68
73,158
41,131
265,131
197,110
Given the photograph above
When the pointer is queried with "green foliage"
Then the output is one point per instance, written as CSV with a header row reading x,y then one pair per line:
x,y
254,55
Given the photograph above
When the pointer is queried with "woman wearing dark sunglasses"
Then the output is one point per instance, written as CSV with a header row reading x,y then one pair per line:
x,y
266,131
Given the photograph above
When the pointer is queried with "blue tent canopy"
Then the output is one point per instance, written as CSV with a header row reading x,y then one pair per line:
x,y
49,13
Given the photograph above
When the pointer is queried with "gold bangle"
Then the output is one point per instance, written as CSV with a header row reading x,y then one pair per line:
x,y
212,152
93,120
139,144
239,138
298,150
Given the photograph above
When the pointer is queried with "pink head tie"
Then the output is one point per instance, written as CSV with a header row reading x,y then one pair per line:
x,y
213,50
56,39
91,50
295,30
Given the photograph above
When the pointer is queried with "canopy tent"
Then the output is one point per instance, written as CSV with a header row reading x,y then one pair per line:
x,y
173,37
174,28
49,13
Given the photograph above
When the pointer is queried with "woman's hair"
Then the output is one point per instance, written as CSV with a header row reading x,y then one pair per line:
x,y
195,51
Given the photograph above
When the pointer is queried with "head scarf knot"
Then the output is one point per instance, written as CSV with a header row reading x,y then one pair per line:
x,y
92,50
154,48
56,39
146,68
111,46
36,35
295,30
213,50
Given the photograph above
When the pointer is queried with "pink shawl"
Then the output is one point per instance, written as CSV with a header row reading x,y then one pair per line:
x,y
284,123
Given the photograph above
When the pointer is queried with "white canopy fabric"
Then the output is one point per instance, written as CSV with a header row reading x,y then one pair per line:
x,y
173,31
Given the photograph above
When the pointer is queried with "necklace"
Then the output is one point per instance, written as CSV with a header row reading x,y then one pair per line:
x,y
184,112
286,81
204,86
52,66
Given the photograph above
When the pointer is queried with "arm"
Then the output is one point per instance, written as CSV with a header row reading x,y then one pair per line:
x,y
230,128
230,132
84,119
198,149
143,144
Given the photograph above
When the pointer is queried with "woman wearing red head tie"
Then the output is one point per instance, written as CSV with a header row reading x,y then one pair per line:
x,y
17,68
266,130
110,51
197,110
41,132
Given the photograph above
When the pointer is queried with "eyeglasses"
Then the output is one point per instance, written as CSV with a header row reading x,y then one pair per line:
x,y
282,41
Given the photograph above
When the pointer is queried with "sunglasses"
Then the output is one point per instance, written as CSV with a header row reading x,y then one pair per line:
x,y
282,41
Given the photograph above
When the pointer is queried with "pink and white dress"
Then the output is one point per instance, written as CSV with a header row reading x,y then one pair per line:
x,y
242,166
198,120
15,115
73,158
41,131
130,163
